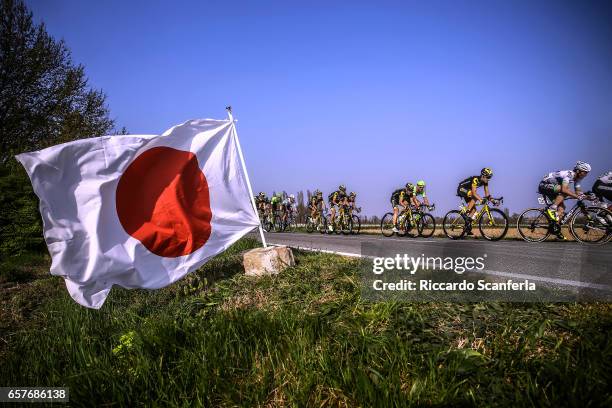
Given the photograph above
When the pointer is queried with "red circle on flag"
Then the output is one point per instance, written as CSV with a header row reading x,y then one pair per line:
x,y
163,201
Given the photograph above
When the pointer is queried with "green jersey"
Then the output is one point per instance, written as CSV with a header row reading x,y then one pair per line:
x,y
415,192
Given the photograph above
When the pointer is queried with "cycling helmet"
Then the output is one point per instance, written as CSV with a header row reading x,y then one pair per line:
x,y
486,172
262,194
582,166
353,194
318,192
421,183
342,187
291,196
409,186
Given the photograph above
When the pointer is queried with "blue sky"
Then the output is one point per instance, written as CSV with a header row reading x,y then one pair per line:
x,y
369,94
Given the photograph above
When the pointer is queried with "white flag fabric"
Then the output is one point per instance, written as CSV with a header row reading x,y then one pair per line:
x,y
140,211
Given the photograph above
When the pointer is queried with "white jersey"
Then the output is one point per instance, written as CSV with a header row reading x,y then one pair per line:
x,y
606,178
288,203
560,177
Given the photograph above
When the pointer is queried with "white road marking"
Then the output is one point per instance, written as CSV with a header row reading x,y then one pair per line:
x,y
564,282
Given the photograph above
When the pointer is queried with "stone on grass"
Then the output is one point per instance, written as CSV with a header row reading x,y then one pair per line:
x,y
267,261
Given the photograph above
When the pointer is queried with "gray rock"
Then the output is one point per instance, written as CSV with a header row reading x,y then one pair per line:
x,y
267,261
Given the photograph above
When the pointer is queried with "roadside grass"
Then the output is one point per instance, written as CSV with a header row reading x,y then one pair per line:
x,y
302,338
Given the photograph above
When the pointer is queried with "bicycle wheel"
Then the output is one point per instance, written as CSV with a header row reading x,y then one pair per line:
x,y
427,225
322,227
533,225
267,224
493,225
386,225
591,225
356,224
346,225
410,229
454,224
278,224
310,225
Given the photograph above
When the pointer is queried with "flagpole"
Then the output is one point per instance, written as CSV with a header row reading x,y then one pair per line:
x,y
246,175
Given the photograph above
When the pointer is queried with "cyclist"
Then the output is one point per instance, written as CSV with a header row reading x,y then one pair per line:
x,y
316,204
276,204
288,207
555,186
352,200
262,202
419,190
468,190
336,199
603,188
404,197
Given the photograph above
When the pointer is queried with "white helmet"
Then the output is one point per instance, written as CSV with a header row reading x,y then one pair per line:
x,y
582,166
291,196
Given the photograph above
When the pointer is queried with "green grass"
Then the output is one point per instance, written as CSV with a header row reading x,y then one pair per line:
x,y
303,338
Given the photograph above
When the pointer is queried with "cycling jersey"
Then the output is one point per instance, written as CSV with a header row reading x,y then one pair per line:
x,y
275,201
471,181
401,194
602,187
417,193
560,177
315,202
259,200
606,178
288,204
336,196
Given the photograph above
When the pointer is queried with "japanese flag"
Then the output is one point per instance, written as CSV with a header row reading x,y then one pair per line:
x,y
140,211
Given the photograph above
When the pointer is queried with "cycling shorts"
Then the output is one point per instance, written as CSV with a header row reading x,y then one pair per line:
x,y
549,190
465,193
602,190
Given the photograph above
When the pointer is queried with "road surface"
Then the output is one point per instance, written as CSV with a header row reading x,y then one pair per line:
x,y
584,270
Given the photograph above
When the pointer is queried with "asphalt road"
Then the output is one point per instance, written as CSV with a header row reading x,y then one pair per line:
x,y
584,271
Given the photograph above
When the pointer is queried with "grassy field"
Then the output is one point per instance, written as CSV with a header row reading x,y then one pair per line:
x,y
303,338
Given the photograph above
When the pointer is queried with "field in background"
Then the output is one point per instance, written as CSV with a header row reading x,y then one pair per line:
x,y
303,338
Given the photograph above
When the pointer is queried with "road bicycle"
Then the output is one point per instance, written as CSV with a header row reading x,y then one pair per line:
x,y
318,223
265,219
290,223
356,219
343,221
591,224
492,222
275,222
426,223
408,225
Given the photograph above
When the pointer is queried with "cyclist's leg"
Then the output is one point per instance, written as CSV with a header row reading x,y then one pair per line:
x,y
471,203
395,207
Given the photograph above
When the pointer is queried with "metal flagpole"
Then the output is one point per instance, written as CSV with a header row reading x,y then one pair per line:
x,y
246,175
